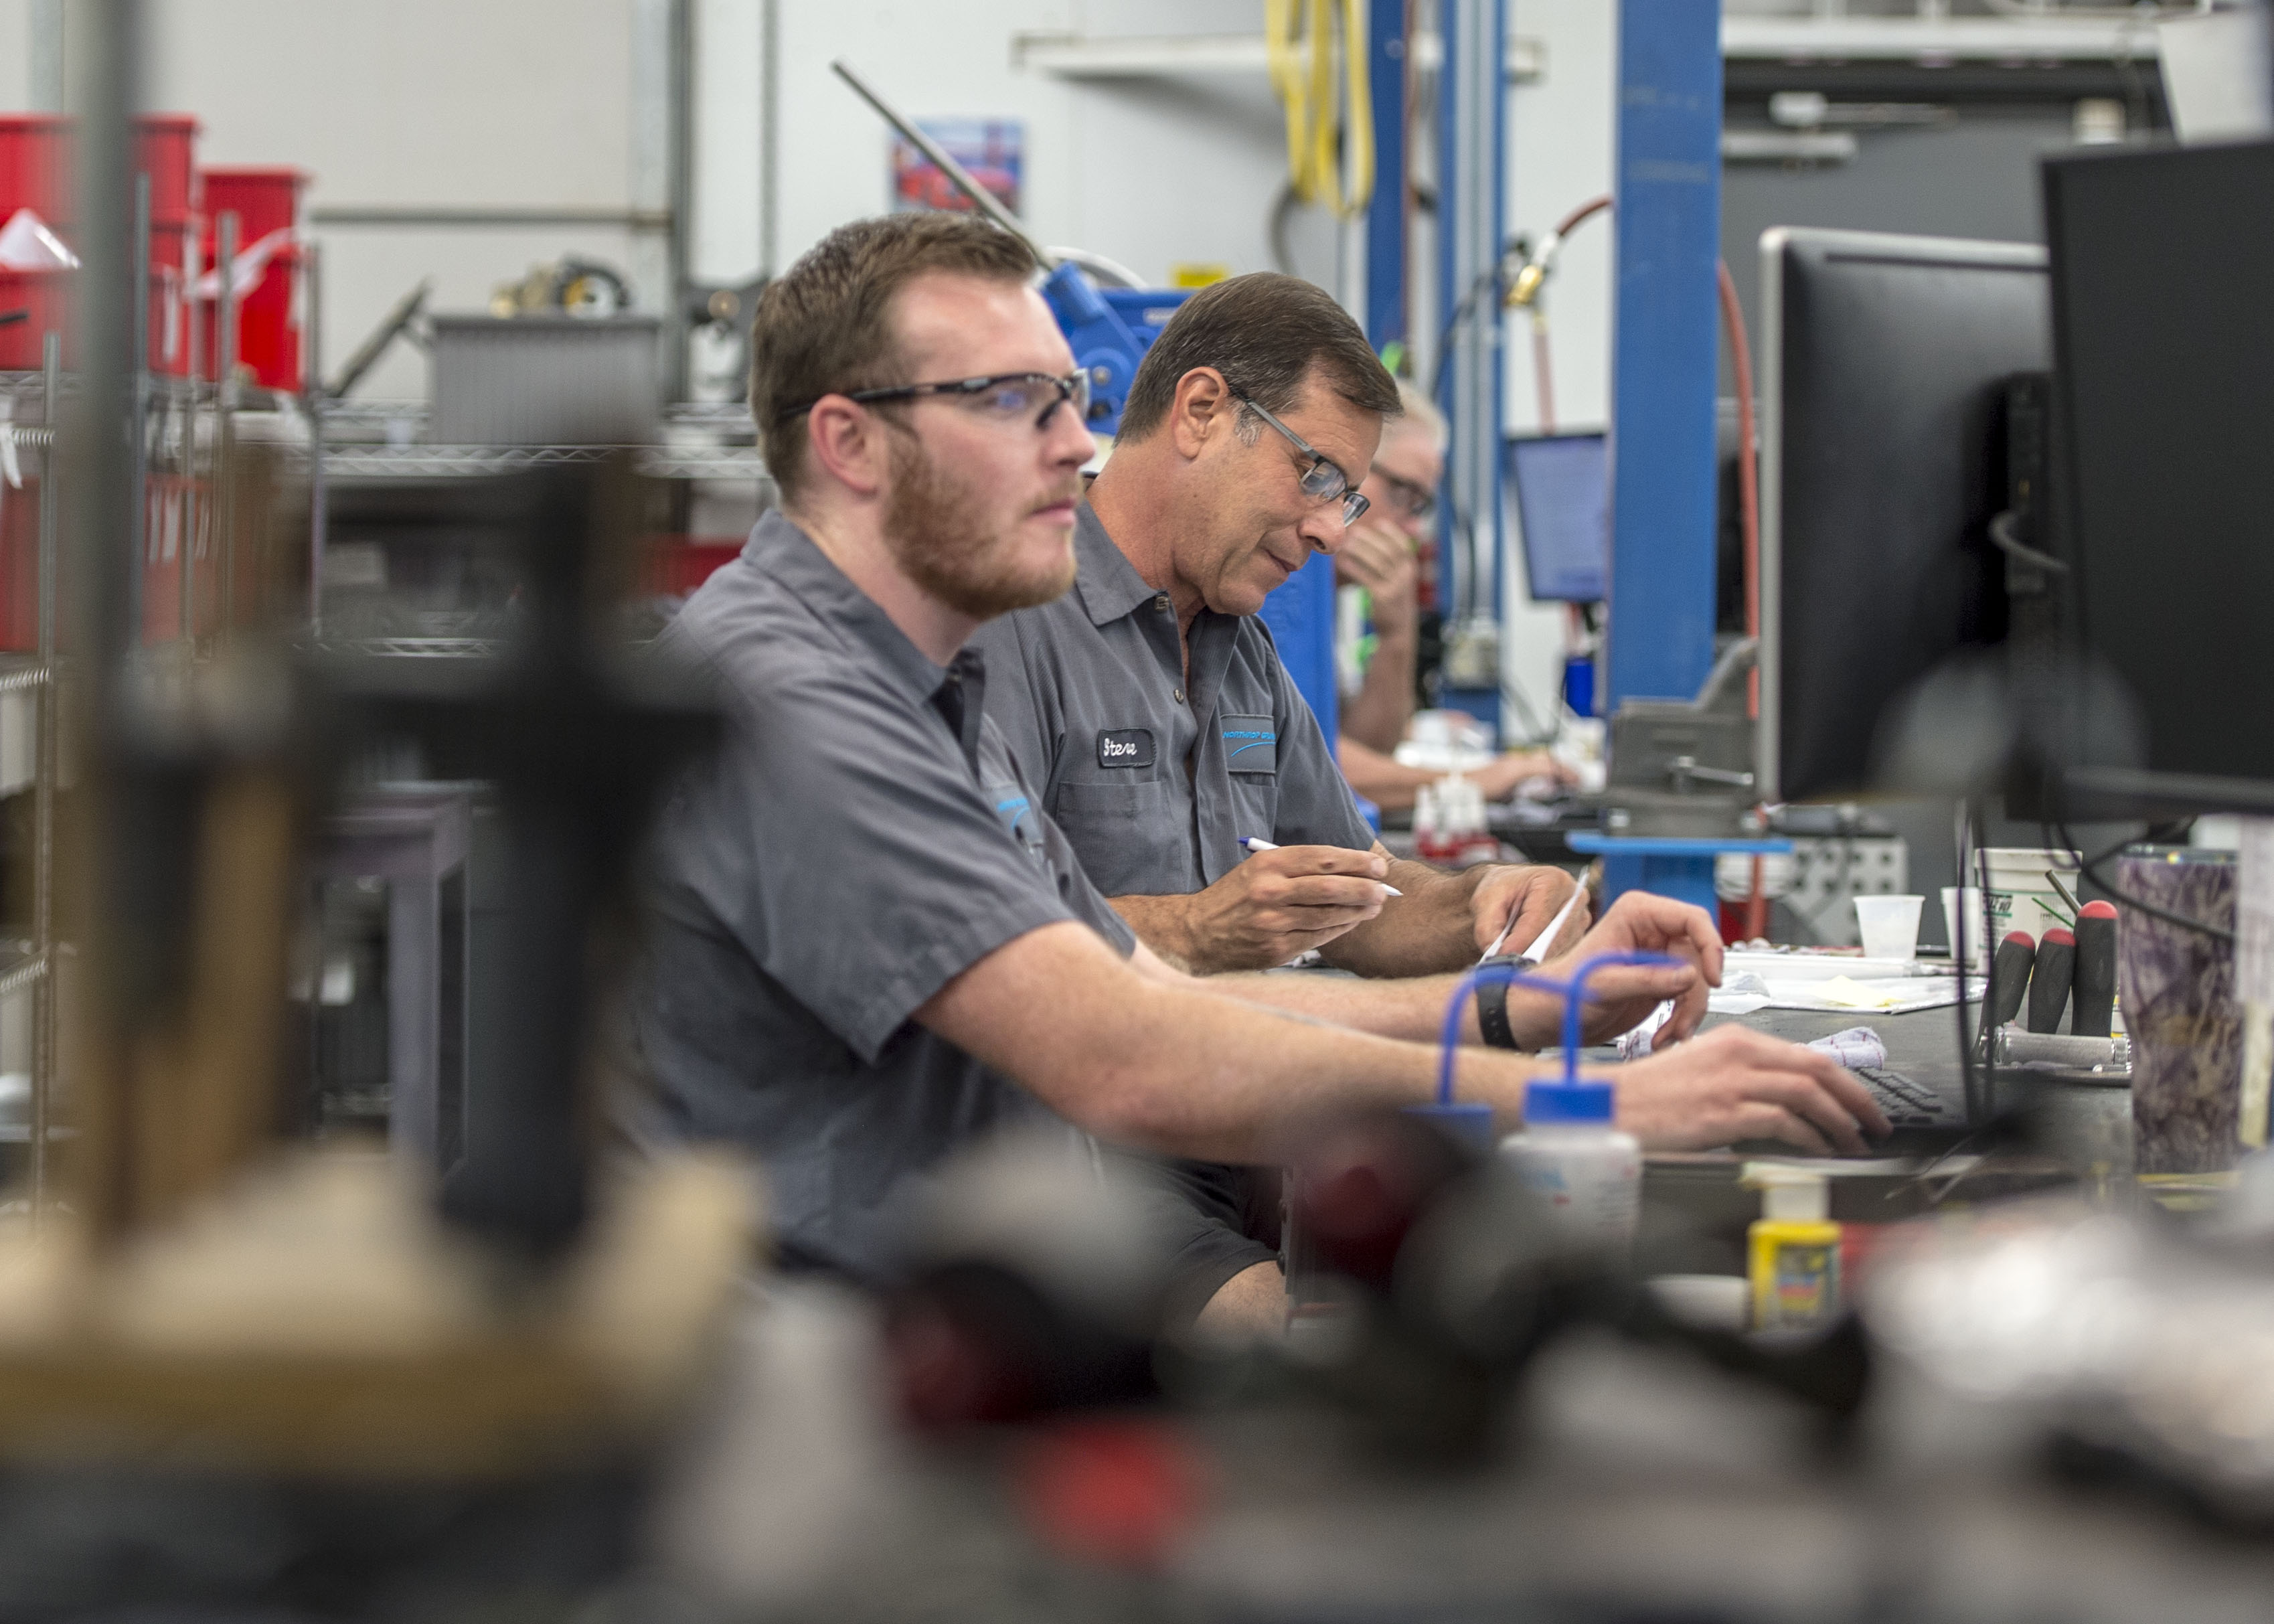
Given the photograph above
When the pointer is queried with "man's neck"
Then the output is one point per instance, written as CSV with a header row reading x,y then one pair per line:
x,y
855,543
1133,499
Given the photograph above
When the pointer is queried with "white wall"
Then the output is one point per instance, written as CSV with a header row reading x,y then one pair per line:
x,y
1147,171
1560,135
420,103
538,103
16,56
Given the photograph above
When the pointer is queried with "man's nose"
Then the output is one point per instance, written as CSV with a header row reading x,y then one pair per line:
x,y
1323,526
1066,438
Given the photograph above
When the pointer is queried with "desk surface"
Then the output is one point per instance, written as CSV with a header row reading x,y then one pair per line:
x,y
2088,1127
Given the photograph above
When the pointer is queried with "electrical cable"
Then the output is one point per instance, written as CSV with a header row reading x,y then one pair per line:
x,y
1440,376
2091,871
2002,537
1107,272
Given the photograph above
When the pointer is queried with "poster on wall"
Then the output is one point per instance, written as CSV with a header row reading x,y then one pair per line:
x,y
992,149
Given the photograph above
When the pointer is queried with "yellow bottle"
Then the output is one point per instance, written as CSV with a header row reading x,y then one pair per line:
x,y
1793,1251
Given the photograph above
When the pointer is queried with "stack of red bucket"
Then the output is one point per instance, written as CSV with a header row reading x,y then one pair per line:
x,y
36,173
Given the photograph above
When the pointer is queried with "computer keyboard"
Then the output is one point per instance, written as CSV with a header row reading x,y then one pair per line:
x,y
1906,1104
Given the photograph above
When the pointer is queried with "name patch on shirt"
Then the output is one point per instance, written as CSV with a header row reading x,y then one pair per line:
x,y
1124,747
1251,743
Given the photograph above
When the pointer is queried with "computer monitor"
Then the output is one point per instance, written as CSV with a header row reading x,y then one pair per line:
x,y
1563,507
2163,291
1884,364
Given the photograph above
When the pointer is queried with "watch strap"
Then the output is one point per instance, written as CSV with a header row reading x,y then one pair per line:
x,y
1492,1005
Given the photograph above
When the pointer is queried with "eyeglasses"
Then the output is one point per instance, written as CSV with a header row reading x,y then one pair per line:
x,y
1004,398
1414,501
1322,481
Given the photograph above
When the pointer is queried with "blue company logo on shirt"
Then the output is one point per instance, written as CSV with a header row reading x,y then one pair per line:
x,y
1251,744
1017,813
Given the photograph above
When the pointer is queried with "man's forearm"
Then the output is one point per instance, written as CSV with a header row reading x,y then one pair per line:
x,y
1428,930
1378,777
1164,924
1182,1067
1376,716
1411,1009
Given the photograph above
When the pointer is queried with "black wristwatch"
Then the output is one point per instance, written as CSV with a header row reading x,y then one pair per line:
x,y
1491,1005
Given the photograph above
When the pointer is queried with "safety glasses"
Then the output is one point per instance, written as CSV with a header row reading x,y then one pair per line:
x,y
1005,398
1322,481
1414,501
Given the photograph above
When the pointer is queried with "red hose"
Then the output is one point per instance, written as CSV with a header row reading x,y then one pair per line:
x,y
1563,226
1543,379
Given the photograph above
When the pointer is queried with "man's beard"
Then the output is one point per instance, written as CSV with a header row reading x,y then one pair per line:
x,y
933,527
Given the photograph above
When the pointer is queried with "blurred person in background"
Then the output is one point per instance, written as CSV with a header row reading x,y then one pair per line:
x,y
1378,556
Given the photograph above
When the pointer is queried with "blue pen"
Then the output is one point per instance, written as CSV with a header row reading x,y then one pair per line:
x,y
1256,843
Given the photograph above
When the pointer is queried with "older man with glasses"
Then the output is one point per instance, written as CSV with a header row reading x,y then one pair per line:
x,y
1150,702
1379,558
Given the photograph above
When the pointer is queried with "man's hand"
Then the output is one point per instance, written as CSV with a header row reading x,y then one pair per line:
x,y
1620,996
1276,905
1734,1083
1500,777
1377,556
1531,896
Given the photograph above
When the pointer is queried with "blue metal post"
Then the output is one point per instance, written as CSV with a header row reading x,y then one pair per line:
x,y
1663,380
1385,215
1664,355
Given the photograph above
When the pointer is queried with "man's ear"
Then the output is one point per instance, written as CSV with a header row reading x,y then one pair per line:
x,y
848,444
1201,412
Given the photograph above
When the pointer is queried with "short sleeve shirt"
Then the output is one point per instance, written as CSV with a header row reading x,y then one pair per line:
x,y
1155,778
860,836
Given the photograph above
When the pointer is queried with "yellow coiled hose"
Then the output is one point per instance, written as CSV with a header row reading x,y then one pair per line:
x,y
1306,88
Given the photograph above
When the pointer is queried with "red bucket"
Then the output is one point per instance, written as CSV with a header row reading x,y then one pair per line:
x,y
165,149
268,338
46,295
676,565
35,166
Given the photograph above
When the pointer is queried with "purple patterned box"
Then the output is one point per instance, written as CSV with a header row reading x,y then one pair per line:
x,y
2178,991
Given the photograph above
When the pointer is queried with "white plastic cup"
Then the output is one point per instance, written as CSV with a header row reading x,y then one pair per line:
x,y
1889,926
1968,903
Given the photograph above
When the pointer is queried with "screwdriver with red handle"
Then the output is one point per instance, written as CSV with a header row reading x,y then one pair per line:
x,y
2009,974
2050,980
2095,970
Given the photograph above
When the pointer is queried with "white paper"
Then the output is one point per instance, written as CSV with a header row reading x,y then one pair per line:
x,y
1859,1048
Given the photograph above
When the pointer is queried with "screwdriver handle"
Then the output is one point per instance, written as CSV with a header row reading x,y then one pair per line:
x,y
2009,974
2050,980
2095,970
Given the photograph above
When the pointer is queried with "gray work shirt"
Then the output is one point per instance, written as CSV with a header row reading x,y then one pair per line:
x,y
860,836
1154,780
